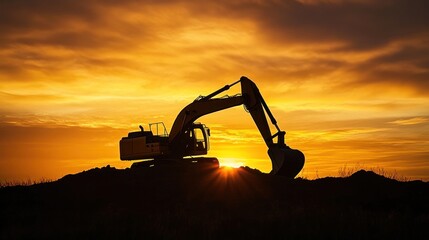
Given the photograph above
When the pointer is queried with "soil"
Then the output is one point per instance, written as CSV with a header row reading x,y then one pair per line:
x,y
171,202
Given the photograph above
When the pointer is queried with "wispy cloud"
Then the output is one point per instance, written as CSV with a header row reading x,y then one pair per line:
x,y
411,121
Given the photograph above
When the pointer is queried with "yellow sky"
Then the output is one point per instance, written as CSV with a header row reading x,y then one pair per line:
x,y
348,80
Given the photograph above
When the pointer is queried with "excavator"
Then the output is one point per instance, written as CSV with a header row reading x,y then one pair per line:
x,y
188,138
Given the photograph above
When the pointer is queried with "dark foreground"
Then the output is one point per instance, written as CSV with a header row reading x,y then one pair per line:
x,y
214,204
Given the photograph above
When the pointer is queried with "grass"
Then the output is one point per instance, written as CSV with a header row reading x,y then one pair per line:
x,y
347,171
27,182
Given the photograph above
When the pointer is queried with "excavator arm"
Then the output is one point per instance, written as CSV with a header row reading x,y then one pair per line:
x,y
285,161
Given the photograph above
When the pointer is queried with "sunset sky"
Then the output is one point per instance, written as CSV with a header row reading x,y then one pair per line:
x,y
347,80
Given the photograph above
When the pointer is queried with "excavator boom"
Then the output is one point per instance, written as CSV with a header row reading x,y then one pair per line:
x,y
285,161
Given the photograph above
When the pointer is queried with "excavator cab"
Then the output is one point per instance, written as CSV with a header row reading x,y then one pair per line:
x,y
197,140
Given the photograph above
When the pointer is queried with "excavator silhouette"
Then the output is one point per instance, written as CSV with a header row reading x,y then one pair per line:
x,y
188,138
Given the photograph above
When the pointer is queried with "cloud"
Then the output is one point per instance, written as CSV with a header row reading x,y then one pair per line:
x,y
51,38
360,43
356,25
410,121
406,66
269,35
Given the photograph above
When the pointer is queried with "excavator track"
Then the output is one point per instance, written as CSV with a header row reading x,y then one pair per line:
x,y
200,162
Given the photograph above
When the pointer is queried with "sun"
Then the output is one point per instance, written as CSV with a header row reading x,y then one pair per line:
x,y
231,162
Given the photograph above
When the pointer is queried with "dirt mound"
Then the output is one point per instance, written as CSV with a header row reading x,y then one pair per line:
x,y
171,202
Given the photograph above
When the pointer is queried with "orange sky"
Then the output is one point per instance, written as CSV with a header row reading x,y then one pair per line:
x,y
348,80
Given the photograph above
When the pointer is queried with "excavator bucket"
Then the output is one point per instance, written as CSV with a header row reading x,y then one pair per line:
x,y
286,161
